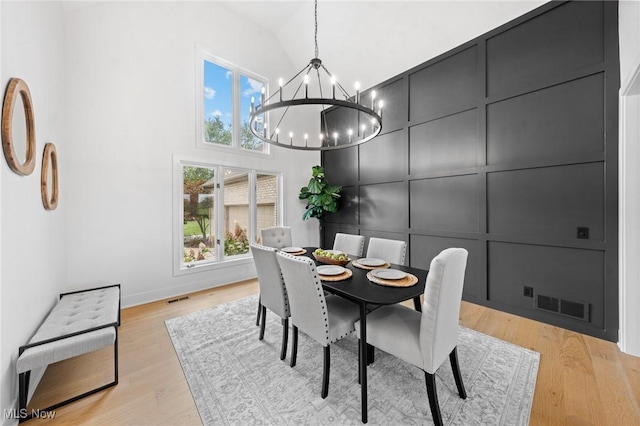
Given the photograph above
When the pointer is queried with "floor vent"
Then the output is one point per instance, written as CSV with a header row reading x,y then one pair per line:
x,y
179,299
567,308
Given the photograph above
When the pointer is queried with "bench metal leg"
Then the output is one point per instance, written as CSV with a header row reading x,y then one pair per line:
x,y
23,379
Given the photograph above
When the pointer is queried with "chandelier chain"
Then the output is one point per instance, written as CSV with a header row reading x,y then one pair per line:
x,y
316,27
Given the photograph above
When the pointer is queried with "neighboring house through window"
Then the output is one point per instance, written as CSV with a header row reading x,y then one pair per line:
x,y
221,210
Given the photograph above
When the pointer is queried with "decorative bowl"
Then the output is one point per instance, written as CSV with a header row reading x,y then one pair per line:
x,y
330,261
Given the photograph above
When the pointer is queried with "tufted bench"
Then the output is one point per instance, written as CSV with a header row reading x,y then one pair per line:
x,y
81,322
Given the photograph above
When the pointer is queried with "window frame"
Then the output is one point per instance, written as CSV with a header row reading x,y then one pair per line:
x,y
219,261
206,55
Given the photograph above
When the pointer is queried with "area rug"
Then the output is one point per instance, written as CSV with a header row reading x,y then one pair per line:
x,y
237,379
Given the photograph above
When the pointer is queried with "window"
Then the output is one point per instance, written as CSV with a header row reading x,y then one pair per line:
x,y
224,103
220,210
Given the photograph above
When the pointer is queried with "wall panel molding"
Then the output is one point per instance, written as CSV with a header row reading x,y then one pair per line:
x,y
507,146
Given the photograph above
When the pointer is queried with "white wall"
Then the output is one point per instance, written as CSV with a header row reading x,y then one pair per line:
x,y
131,102
629,224
389,37
33,262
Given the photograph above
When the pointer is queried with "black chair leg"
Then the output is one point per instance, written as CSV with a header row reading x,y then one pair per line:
x,y
259,312
370,354
325,371
433,398
359,361
263,322
285,337
453,357
294,347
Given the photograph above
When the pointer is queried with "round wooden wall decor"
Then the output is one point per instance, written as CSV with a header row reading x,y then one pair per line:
x,y
49,162
17,86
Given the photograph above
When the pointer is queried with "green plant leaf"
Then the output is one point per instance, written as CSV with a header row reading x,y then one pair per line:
x,y
304,193
317,172
321,197
316,186
307,214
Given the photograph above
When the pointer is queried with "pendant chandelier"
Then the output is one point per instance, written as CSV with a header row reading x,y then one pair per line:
x,y
305,99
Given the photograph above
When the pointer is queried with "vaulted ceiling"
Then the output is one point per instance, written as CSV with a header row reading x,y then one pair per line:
x,y
371,41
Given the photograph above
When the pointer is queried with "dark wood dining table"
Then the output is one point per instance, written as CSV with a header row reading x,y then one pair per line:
x,y
363,292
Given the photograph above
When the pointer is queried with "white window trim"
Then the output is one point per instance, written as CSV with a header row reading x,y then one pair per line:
x,y
179,268
206,54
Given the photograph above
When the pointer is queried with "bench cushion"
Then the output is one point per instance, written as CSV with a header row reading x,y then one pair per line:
x,y
74,312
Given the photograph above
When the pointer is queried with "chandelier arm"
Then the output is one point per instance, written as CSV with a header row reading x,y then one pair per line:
x,y
323,106
342,89
306,67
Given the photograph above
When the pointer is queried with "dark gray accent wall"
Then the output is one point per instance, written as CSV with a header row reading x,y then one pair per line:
x,y
506,146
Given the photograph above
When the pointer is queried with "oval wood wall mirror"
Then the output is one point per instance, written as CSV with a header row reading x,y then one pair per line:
x,y
19,151
49,177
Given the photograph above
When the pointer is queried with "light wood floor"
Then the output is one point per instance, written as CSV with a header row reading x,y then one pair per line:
x,y
581,381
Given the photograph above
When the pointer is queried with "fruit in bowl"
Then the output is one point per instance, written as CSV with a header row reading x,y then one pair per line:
x,y
331,257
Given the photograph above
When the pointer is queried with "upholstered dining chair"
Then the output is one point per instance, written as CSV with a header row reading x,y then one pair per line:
x,y
276,236
392,251
425,338
349,243
273,294
326,319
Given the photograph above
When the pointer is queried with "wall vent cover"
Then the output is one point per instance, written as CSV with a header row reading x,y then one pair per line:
x,y
547,303
179,299
569,308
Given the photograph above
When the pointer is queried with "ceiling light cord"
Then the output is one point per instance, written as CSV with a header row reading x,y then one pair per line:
x,y
316,27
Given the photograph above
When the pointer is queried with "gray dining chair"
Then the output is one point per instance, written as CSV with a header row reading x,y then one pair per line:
x,y
349,243
273,294
393,251
326,319
276,236
425,338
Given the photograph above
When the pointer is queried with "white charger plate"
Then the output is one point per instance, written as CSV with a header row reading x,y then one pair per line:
x,y
291,249
388,274
330,270
371,261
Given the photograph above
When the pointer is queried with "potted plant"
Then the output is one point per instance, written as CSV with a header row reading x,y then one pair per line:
x,y
321,197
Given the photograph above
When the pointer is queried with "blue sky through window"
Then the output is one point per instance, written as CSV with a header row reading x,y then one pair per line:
x,y
218,96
